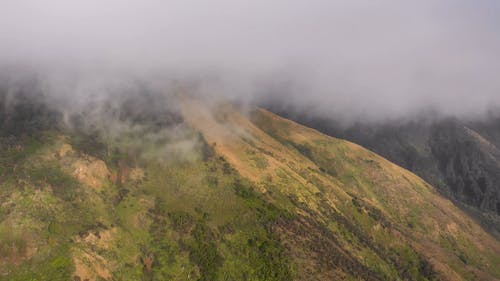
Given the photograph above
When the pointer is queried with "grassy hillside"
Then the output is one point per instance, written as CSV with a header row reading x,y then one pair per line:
x,y
228,198
459,157
441,233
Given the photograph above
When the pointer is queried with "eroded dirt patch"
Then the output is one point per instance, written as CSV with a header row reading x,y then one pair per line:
x,y
91,171
90,267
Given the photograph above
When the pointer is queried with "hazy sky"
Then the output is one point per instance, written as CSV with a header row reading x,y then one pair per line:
x,y
371,58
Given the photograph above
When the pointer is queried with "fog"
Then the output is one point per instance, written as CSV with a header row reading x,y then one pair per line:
x,y
345,59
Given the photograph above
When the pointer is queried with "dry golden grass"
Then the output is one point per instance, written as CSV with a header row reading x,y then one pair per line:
x,y
398,193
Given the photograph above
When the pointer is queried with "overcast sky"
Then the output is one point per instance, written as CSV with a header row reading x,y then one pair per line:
x,y
370,58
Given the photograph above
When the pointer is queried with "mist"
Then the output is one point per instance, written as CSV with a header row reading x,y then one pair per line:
x,y
351,60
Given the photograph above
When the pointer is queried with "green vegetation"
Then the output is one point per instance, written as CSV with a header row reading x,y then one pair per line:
x,y
203,252
381,202
207,233
63,185
55,265
310,208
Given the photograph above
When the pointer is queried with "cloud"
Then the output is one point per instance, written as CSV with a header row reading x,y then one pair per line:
x,y
351,59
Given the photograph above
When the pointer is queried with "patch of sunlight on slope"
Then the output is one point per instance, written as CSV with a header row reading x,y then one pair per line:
x,y
409,201
387,205
241,142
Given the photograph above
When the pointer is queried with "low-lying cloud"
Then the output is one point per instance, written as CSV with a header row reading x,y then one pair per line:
x,y
347,59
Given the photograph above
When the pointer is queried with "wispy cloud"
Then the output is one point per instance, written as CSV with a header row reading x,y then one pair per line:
x,y
347,58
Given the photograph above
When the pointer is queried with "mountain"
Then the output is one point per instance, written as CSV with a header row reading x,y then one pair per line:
x,y
460,158
218,192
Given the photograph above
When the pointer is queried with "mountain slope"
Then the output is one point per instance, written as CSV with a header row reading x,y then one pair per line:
x,y
227,197
343,172
461,159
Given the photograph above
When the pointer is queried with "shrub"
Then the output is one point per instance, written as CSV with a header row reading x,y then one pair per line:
x,y
63,185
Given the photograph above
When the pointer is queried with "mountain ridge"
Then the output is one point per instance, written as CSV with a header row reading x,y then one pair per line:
x,y
459,157
229,196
